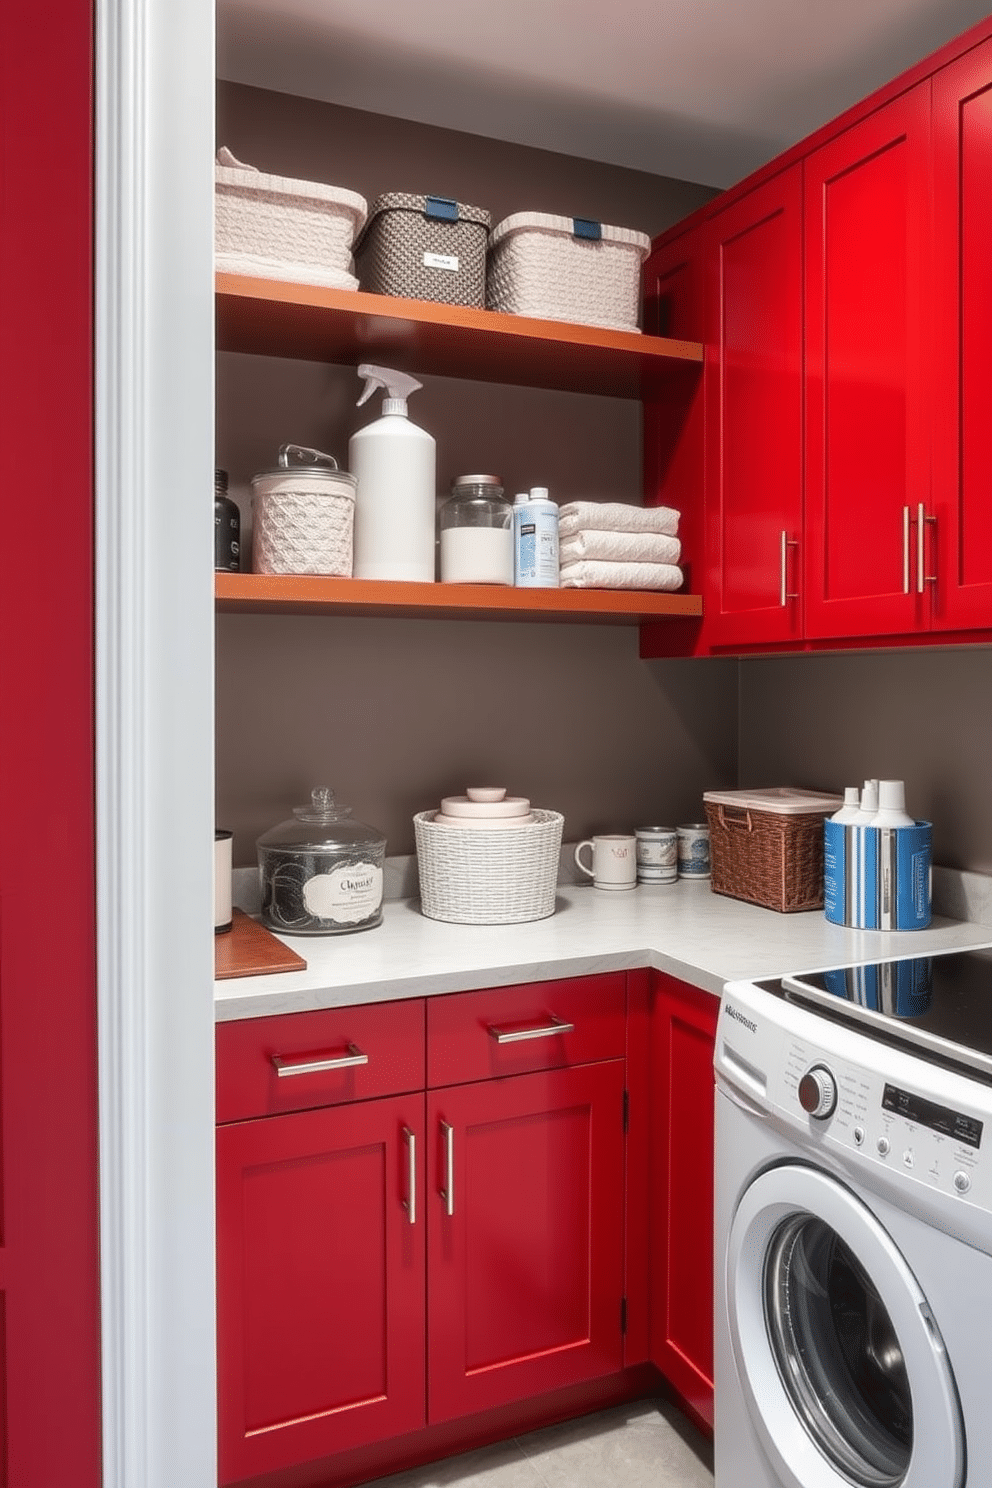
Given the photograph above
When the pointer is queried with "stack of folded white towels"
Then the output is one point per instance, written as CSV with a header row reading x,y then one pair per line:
x,y
609,545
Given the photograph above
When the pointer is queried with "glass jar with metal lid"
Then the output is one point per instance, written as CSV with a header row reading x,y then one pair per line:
x,y
321,872
477,533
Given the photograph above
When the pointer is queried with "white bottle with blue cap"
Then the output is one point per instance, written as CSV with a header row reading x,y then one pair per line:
x,y
535,540
394,463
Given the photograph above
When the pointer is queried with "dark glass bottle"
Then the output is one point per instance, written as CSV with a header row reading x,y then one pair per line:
x,y
227,528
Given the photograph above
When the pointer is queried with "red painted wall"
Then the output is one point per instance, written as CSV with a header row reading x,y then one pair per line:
x,y
49,1338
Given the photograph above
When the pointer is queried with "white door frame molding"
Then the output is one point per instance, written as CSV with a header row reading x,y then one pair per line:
x,y
154,92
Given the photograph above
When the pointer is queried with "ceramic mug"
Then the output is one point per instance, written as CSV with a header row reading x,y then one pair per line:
x,y
223,913
657,855
694,850
614,860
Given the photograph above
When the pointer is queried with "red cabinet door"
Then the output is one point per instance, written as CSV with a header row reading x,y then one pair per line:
x,y
754,411
320,1272
525,1235
957,569
674,305
683,1031
868,288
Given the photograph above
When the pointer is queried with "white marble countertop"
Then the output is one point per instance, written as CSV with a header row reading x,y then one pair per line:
x,y
682,928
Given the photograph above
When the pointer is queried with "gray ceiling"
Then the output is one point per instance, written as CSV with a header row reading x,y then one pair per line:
x,y
704,91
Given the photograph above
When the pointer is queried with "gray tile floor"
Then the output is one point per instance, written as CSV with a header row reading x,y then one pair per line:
x,y
646,1444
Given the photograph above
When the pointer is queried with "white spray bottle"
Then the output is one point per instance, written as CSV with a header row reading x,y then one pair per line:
x,y
394,463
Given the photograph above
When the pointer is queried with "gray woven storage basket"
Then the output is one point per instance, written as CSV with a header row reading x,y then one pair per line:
x,y
500,877
424,248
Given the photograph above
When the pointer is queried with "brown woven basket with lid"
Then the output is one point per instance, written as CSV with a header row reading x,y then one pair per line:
x,y
766,847
424,248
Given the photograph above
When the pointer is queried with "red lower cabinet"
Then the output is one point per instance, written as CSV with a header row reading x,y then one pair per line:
x,y
683,1031
320,1293
525,1236
420,1217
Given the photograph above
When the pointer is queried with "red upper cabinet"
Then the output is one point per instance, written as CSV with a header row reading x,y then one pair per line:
x,y
754,407
957,558
868,417
674,305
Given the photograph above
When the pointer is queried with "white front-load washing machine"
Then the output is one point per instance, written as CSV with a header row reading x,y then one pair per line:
x,y
854,1228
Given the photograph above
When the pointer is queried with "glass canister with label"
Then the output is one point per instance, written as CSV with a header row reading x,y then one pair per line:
x,y
321,871
476,525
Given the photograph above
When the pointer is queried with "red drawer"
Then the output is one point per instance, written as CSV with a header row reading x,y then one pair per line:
x,y
536,1026
262,1062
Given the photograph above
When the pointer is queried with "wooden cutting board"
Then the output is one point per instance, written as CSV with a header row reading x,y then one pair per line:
x,y
248,949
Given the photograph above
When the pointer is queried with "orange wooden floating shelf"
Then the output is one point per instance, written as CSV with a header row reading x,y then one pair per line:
x,y
296,594
275,318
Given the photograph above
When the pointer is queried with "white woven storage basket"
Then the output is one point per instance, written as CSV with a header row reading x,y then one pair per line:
x,y
543,266
470,876
277,228
303,517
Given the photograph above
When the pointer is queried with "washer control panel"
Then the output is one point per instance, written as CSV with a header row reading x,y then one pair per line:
x,y
885,1118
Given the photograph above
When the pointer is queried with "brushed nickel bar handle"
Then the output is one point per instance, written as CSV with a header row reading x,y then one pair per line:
x,y
310,1066
784,595
448,1191
905,550
410,1202
922,577
521,1035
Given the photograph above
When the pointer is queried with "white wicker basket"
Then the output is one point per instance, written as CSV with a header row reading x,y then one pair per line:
x,y
303,516
278,228
546,266
470,876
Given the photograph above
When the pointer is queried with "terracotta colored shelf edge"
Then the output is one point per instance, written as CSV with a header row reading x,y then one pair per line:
x,y
307,594
279,318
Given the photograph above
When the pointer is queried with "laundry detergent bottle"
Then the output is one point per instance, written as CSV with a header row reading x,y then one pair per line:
x,y
394,463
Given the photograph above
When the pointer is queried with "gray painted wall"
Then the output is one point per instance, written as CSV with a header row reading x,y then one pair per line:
x,y
393,714
923,716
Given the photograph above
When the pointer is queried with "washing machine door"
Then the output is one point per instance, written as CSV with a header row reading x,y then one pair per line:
x,y
839,1357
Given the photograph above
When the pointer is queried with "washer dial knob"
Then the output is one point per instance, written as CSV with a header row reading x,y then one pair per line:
x,y
818,1092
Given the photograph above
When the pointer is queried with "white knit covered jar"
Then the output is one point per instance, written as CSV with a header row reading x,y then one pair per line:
x,y
304,515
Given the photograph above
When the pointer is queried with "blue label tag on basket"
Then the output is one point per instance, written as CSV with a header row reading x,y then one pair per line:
x,y
440,208
584,227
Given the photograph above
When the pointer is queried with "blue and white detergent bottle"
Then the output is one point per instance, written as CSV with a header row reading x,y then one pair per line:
x,y
904,862
535,540
837,850
877,861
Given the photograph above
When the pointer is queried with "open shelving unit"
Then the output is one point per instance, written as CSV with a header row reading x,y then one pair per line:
x,y
270,317
273,318
303,594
